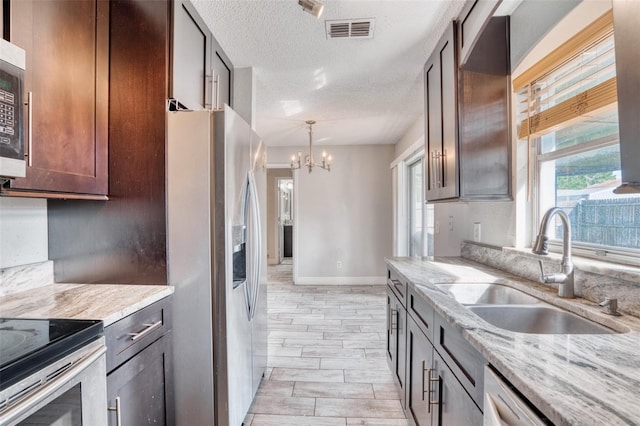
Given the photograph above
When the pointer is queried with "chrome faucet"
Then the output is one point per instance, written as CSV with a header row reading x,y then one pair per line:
x,y
564,278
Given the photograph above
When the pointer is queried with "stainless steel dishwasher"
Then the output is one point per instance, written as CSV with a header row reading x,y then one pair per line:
x,y
504,407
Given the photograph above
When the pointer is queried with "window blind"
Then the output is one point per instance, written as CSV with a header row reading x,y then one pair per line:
x,y
572,90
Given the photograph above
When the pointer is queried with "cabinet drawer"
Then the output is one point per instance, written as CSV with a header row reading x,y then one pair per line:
x,y
132,334
398,284
463,359
421,312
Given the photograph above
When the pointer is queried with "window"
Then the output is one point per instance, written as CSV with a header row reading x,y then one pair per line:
x,y
415,208
568,113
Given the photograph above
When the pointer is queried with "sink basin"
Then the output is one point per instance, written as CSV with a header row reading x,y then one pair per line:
x,y
537,320
487,294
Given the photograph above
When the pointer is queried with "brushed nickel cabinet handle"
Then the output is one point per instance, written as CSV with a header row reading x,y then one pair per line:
x,y
149,328
217,83
422,382
431,380
118,411
444,168
30,128
394,325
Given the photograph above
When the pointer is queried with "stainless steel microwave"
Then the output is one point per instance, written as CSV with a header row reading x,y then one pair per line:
x,y
12,148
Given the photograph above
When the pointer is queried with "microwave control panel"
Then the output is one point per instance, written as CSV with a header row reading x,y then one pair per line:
x,y
11,140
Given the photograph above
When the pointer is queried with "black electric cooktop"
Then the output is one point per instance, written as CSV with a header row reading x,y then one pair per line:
x,y
26,345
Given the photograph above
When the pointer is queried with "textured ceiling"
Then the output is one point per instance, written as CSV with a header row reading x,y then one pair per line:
x,y
366,91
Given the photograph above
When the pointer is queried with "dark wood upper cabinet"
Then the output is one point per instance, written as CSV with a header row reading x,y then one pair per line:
x,y
191,58
202,74
441,121
67,61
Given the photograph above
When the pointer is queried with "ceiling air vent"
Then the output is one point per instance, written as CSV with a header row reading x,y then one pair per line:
x,y
352,28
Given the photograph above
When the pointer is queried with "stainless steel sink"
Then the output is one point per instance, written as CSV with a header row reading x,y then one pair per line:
x,y
487,294
537,319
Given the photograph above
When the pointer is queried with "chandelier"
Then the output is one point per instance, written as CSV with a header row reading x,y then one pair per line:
x,y
308,159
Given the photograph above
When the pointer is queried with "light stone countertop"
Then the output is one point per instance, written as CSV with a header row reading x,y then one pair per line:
x,y
572,379
106,302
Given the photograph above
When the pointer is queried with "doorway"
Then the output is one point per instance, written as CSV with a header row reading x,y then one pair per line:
x,y
280,216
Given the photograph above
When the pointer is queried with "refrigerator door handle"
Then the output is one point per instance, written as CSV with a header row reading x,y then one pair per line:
x,y
246,218
256,251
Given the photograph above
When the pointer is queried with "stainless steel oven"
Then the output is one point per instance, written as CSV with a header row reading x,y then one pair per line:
x,y
12,141
52,374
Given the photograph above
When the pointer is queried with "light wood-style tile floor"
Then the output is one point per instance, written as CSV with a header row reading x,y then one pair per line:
x,y
327,361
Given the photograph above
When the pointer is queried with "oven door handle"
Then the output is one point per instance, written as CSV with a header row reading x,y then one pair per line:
x,y
14,413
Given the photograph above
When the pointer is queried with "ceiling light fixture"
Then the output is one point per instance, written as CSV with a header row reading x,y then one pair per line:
x,y
308,159
313,7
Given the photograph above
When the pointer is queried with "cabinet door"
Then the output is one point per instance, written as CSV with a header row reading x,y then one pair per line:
x,y
191,57
454,406
441,82
66,44
143,386
473,19
396,340
223,77
419,361
401,353
392,342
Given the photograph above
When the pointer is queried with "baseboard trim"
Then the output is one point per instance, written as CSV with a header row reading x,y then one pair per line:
x,y
341,280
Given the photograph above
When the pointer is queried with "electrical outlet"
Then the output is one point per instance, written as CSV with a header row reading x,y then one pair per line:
x,y
450,223
339,264
477,231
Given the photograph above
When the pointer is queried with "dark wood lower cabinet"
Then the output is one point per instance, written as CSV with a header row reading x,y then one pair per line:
x,y
143,386
434,395
139,367
396,341
454,406
419,361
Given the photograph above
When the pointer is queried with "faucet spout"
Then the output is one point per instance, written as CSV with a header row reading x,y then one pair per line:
x,y
565,279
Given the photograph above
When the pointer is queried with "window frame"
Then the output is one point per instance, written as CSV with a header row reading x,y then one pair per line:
x,y
601,27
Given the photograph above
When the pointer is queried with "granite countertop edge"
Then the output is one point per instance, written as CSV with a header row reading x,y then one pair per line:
x,y
572,379
106,302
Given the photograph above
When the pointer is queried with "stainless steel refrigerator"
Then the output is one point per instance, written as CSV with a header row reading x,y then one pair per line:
x,y
216,198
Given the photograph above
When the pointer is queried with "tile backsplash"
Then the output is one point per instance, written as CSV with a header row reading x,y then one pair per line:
x,y
594,280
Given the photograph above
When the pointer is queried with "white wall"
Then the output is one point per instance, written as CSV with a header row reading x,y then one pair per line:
x,y
23,231
344,215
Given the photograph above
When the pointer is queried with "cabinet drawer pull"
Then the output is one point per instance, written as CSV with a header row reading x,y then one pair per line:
x,y
149,328
30,128
431,380
117,410
394,325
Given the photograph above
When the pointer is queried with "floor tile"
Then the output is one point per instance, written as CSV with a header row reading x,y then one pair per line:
x,y
333,390
308,375
363,344
278,334
269,404
333,352
275,420
376,422
327,357
349,336
279,350
297,343
293,362
276,388
385,391
366,376
353,364
368,408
